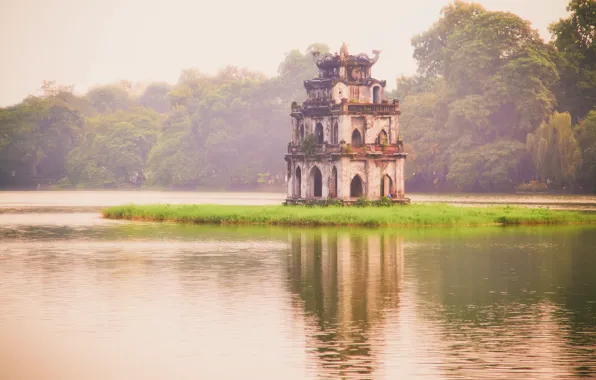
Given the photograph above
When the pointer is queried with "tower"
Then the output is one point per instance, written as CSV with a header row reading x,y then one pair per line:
x,y
345,136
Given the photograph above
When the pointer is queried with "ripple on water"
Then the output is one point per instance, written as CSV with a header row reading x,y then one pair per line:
x,y
126,300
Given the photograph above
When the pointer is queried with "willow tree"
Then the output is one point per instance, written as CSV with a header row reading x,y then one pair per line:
x,y
555,151
586,136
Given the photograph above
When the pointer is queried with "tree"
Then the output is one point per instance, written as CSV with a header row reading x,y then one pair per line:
x,y
574,39
429,46
295,69
109,98
586,137
491,77
555,152
155,97
36,137
114,148
492,167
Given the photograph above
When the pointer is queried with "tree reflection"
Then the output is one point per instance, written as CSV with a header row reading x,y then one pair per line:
x,y
345,283
512,300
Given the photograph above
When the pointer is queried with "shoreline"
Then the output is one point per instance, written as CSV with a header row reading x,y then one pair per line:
x,y
414,215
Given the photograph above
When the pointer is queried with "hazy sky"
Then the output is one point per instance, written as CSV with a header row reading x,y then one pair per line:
x,y
88,42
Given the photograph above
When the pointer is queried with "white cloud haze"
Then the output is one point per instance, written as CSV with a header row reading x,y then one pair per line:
x,y
89,42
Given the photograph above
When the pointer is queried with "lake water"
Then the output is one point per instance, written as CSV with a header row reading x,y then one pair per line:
x,y
86,298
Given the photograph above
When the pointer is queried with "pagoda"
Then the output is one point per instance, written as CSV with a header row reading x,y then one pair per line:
x,y
345,136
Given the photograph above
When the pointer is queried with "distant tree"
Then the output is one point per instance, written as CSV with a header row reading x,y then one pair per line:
x,y
586,137
36,137
492,78
50,88
114,148
429,46
155,97
109,98
295,69
555,152
574,38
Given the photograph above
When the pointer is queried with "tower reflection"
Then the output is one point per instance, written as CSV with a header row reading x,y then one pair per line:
x,y
346,284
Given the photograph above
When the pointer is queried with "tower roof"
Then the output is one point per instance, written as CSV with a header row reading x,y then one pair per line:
x,y
343,58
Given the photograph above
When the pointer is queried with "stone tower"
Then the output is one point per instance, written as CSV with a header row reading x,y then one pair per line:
x,y
345,136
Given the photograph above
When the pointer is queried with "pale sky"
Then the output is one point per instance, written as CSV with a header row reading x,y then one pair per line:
x,y
89,42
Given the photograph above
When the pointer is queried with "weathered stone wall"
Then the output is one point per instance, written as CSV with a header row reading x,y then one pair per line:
x,y
357,123
369,127
373,179
340,91
399,178
364,93
327,122
375,125
370,170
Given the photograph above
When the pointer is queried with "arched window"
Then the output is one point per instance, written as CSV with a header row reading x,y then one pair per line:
x,y
333,183
356,138
301,132
335,134
298,182
316,182
386,186
319,133
356,187
376,94
382,138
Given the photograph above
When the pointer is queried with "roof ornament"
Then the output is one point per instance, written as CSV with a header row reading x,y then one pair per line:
x,y
372,60
335,60
344,50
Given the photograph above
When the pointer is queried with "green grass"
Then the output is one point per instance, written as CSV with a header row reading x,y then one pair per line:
x,y
410,215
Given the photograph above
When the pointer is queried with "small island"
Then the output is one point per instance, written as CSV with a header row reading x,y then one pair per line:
x,y
414,215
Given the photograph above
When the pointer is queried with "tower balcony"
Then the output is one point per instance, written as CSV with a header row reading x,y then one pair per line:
x,y
346,107
348,149
324,107
325,148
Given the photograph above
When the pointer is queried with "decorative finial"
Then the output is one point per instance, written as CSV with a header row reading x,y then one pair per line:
x,y
344,49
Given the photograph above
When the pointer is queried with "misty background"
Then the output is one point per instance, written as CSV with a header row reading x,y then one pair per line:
x,y
87,43
497,96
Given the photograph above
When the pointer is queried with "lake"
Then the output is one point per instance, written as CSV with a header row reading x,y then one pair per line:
x,y
86,298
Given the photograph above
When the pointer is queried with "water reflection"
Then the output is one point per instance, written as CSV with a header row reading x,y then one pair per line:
x,y
158,301
510,302
346,283
479,304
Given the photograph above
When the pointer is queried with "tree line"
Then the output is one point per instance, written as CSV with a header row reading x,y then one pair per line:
x,y
495,108
492,107
224,130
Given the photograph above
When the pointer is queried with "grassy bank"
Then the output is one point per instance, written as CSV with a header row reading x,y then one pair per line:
x,y
411,215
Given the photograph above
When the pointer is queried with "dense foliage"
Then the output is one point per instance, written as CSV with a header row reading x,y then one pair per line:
x,y
226,130
492,108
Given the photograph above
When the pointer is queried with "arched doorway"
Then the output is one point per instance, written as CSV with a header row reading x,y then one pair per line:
x,y
298,183
356,187
319,133
335,134
301,132
386,186
356,138
382,138
376,94
333,183
316,182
